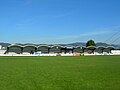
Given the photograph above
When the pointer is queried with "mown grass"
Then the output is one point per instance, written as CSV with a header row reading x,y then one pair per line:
x,y
60,73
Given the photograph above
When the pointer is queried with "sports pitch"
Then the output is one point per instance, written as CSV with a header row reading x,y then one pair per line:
x,y
60,73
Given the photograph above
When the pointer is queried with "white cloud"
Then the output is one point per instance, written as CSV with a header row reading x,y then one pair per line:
x,y
68,39
99,35
96,33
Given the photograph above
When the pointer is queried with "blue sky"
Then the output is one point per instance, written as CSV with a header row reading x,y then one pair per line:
x,y
58,21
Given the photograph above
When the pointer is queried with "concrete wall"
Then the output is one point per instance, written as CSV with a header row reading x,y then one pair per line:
x,y
0,47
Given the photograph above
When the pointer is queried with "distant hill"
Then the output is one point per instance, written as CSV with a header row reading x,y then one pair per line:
x,y
98,44
78,44
72,44
5,44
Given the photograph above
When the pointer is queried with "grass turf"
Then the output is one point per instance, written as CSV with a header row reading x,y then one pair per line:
x,y
60,73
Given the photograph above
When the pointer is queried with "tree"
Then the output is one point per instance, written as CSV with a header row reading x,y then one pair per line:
x,y
90,43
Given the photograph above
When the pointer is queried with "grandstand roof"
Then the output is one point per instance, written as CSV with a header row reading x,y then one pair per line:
x,y
60,46
101,47
47,46
15,45
91,47
110,47
30,46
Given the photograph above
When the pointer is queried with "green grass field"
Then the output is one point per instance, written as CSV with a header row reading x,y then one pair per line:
x,y
60,73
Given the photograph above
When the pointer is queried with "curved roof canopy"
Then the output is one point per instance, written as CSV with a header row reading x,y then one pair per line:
x,y
84,47
70,47
110,47
91,47
46,46
20,46
77,47
57,46
101,47
30,46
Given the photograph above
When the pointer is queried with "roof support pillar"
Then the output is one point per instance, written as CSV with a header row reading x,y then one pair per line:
x,y
93,50
102,50
35,49
7,50
60,50
110,50
48,50
83,50
72,50
21,50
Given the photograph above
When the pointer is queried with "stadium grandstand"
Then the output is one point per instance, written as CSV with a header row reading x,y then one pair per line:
x,y
57,50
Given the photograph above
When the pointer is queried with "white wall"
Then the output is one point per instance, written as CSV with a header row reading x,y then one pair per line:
x,y
2,52
116,52
0,47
